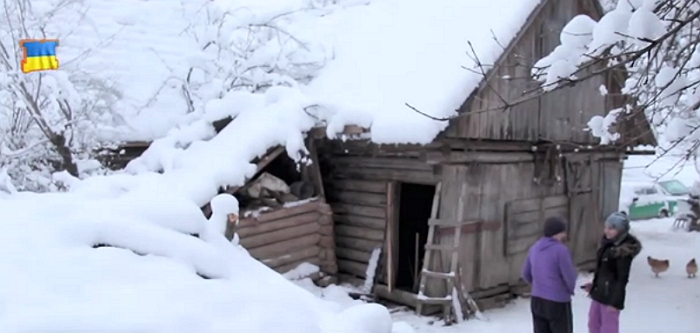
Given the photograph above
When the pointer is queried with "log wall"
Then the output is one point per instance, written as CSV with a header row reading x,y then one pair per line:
x,y
359,208
286,237
357,190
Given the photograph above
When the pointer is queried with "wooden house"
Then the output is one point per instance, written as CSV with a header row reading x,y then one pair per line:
x,y
498,173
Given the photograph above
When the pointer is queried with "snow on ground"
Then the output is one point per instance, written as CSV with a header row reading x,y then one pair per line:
x,y
54,280
667,304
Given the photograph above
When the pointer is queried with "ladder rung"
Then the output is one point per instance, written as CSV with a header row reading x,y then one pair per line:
x,y
440,247
438,275
448,223
434,300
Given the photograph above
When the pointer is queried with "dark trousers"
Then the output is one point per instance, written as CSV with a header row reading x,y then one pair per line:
x,y
551,317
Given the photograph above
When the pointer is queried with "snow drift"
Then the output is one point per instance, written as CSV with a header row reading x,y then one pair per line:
x,y
58,275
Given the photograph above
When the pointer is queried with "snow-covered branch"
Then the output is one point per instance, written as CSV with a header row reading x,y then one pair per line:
x,y
49,121
654,44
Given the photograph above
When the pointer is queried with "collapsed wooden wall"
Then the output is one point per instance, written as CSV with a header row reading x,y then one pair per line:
x,y
286,237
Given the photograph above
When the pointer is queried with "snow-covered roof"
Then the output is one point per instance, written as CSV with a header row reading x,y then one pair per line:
x,y
392,52
377,55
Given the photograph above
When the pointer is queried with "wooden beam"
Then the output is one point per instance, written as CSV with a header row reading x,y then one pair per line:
x,y
320,132
472,227
459,157
270,156
315,169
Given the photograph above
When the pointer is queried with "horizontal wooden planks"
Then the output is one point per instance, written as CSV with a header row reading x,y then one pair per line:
x,y
357,185
525,218
359,198
412,170
359,212
286,237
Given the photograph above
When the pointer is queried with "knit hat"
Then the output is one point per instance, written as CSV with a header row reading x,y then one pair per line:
x,y
618,221
554,225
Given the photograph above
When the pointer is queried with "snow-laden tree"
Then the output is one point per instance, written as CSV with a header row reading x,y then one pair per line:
x,y
248,49
243,50
655,44
50,120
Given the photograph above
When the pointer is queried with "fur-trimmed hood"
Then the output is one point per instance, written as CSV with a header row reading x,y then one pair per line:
x,y
626,246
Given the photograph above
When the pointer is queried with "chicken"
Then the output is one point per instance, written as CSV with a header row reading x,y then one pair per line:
x,y
691,268
658,266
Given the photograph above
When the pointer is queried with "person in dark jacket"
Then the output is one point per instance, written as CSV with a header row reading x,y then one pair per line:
x,y
614,260
552,275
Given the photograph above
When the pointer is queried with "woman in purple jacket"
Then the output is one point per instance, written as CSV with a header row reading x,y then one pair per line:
x,y
552,275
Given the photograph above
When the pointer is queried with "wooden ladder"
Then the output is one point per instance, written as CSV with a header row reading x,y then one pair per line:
x,y
449,305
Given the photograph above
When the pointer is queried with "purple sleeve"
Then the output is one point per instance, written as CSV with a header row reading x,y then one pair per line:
x,y
526,273
567,269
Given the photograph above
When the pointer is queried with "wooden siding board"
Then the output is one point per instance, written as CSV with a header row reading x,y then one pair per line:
x,y
560,115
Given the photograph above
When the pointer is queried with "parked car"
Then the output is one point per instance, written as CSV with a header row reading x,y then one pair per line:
x,y
658,199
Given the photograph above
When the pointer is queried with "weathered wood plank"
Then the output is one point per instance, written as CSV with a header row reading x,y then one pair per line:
x,y
276,214
356,232
352,267
359,198
555,201
360,221
471,228
463,157
280,235
381,163
523,206
351,254
295,256
358,185
351,279
264,227
275,249
376,212
357,243
413,176
525,220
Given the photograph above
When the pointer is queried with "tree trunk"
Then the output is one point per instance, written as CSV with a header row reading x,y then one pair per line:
x,y
59,142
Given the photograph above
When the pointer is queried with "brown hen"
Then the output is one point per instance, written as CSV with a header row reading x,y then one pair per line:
x,y
691,268
658,266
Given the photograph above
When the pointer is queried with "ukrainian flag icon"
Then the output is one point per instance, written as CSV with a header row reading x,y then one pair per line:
x,y
38,55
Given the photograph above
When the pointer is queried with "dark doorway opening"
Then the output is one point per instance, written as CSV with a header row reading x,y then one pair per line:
x,y
415,207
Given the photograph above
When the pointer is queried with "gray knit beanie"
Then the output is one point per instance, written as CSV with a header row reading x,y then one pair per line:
x,y
618,221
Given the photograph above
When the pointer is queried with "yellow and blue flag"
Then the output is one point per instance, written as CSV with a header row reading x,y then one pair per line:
x,y
38,55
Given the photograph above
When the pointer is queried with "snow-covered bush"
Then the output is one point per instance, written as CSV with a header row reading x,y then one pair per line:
x,y
656,43
48,120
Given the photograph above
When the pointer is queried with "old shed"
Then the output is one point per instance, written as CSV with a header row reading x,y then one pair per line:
x,y
496,171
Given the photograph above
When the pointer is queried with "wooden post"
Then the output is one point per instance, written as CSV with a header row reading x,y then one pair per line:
x,y
390,244
315,169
